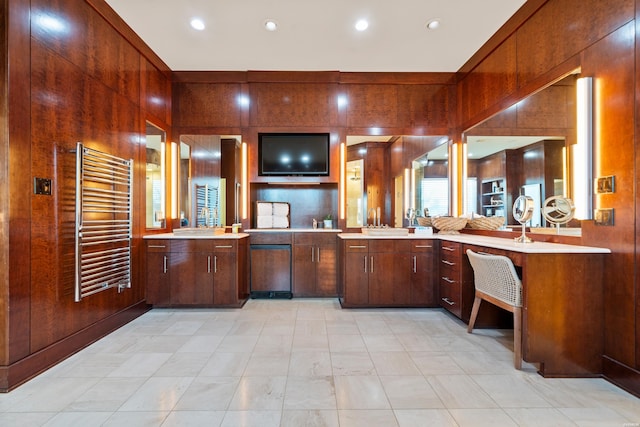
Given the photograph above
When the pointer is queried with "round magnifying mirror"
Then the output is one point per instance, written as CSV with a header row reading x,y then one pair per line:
x,y
558,210
523,212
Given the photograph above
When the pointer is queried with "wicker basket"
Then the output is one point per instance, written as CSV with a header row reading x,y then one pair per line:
x,y
448,224
424,221
486,223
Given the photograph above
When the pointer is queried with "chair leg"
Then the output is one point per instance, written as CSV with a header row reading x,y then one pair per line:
x,y
474,313
517,337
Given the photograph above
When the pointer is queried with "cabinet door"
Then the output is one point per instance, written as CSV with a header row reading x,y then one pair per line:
x,y
304,270
422,287
225,289
389,278
158,287
191,279
356,286
326,270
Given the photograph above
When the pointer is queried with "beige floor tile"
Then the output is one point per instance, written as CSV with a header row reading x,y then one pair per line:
x,y
310,364
352,363
460,391
394,363
405,392
259,394
424,418
157,394
360,392
537,417
360,418
482,418
309,418
208,394
310,393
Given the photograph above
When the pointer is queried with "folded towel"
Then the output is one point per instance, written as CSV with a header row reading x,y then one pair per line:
x,y
265,208
281,209
264,221
280,222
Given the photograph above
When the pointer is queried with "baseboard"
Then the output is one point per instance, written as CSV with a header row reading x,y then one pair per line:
x,y
625,377
23,370
272,294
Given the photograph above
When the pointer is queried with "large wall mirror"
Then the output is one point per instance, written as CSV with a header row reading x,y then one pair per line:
x,y
523,150
416,177
155,177
209,180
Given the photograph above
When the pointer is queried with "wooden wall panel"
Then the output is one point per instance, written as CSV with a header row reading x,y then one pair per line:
x,y
490,82
206,105
565,28
85,39
372,106
293,104
155,91
425,106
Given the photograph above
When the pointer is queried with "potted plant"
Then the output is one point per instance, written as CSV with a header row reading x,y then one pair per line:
x,y
328,221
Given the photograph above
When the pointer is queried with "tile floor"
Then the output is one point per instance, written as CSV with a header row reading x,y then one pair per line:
x,y
305,362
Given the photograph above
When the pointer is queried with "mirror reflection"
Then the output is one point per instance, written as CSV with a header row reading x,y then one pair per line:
x,y
155,176
209,194
522,151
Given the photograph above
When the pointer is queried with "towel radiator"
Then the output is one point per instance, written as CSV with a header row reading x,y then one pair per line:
x,y
207,197
103,231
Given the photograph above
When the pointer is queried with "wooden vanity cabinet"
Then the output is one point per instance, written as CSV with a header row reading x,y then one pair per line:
x,y
197,272
386,273
314,264
450,285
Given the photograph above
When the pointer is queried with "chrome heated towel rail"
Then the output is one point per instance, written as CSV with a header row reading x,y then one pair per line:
x,y
104,197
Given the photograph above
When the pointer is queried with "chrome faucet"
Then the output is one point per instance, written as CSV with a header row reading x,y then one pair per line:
x,y
374,215
204,213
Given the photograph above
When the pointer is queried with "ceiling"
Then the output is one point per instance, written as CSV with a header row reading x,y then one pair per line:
x,y
316,35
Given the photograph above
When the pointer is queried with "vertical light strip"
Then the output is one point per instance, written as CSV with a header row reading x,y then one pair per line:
x,y
244,180
454,183
407,190
463,180
565,175
174,180
163,179
412,203
582,151
342,183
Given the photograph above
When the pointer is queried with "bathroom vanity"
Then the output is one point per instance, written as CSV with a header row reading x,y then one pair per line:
x,y
199,270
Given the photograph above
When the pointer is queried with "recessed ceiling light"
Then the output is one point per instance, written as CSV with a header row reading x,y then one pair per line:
x,y
197,24
270,25
362,25
433,24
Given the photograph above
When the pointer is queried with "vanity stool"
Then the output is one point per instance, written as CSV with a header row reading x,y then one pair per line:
x,y
497,282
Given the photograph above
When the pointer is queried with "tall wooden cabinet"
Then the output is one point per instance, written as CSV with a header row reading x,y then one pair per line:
x,y
314,264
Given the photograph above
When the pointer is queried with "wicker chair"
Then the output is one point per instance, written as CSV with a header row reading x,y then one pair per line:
x,y
497,282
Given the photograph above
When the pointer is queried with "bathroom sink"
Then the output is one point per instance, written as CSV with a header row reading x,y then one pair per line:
x,y
200,231
371,231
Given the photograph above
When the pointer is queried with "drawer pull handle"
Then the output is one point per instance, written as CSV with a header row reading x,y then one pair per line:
x,y
446,279
164,264
371,264
447,248
357,246
423,246
444,261
209,264
215,264
448,302
224,247
365,263
156,246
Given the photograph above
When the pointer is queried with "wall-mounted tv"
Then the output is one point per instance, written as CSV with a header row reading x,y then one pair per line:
x,y
293,154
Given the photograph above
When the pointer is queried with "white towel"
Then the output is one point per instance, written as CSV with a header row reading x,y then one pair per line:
x,y
265,209
265,221
281,209
280,222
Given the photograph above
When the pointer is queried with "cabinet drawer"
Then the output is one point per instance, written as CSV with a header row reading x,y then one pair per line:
x,y
184,245
390,245
356,245
271,238
422,245
216,245
451,298
317,238
157,245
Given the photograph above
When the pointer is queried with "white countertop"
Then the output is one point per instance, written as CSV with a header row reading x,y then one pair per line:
x,y
196,236
293,230
494,242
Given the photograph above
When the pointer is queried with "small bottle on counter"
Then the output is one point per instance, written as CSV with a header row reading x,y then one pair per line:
x,y
235,228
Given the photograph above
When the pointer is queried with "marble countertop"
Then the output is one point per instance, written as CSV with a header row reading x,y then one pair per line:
x,y
196,236
293,230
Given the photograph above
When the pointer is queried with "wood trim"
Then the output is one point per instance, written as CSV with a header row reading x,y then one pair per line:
x,y
23,370
621,375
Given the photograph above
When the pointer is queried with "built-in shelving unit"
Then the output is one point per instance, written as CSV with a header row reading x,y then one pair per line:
x,y
494,197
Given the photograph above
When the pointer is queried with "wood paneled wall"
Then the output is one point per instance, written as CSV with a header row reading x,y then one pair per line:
x,y
86,83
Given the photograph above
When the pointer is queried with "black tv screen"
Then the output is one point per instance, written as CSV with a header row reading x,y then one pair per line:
x,y
293,154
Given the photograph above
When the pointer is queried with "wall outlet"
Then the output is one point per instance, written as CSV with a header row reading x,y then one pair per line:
x,y
603,217
42,186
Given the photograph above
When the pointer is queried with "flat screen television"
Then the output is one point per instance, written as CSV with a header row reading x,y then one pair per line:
x,y
293,154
